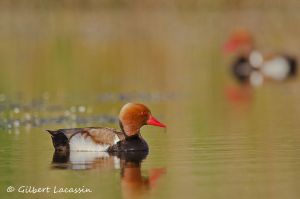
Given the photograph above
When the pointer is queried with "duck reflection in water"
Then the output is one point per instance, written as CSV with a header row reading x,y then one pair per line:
x,y
133,183
240,94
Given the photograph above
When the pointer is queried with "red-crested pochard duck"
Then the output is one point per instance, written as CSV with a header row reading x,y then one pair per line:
x,y
131,118
251,66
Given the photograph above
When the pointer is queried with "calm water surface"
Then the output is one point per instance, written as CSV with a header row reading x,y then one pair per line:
x,y
73,67
236,152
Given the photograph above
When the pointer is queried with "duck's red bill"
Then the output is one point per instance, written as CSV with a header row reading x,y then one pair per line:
x,y
154,122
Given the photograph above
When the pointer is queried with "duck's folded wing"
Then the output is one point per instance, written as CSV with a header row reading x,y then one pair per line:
x,y
103,135
86,139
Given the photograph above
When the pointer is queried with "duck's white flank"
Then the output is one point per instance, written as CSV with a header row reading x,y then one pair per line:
x,y
277,68
81,143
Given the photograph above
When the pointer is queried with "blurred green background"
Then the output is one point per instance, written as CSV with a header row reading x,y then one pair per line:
x,y
59,56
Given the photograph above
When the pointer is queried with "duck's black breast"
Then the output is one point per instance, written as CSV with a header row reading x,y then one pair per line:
x,y
131,143
241,69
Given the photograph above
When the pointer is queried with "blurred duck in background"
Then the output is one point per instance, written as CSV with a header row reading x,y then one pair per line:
x,y
251,66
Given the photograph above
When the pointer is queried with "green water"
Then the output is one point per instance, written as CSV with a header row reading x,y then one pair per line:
x,y
68,65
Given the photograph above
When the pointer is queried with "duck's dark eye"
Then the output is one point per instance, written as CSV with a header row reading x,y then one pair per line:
x,y
142,113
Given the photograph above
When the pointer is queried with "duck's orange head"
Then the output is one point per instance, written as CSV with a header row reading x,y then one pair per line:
x,y
133,116
240,40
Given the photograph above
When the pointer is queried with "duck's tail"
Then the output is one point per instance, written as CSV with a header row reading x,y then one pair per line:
x,y
52,133
59,140
293,65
